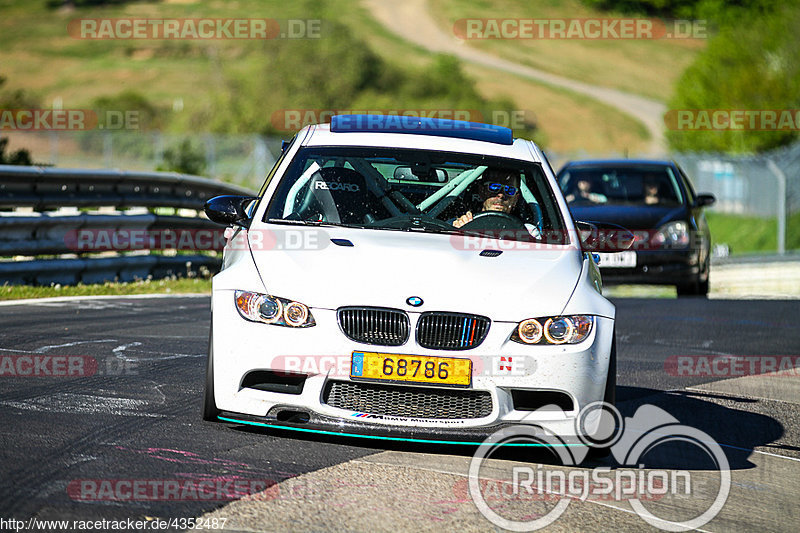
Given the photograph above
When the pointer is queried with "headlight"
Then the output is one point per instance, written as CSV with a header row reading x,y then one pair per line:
x,y
267,309
672,235
529,331
558,330
553,330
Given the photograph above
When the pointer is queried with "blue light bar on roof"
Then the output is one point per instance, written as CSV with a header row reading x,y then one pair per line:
x,y
439,127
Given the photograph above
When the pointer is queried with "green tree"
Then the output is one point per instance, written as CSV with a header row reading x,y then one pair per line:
x,y
18,157
719,11
184,158
17,99
148,116
751,65
336,72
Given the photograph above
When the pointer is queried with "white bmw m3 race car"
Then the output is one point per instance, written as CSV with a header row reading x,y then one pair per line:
x,y
406,278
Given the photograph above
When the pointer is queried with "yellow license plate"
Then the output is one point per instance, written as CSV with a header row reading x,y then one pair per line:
x,y
411,368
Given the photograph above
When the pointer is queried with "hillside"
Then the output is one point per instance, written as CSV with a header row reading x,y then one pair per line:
x,y
237,86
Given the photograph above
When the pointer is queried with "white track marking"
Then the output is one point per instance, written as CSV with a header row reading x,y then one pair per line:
x,y
68,344
85,404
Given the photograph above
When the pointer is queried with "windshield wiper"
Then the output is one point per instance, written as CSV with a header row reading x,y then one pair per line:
x,y
419,227
314,223
287,221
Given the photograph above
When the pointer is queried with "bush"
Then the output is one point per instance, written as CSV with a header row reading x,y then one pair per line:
x,y
148,116
18,157
751,65
184,158
17,98
337,72
53,4
716,10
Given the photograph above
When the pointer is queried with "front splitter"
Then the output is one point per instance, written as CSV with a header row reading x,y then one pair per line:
x,y
339,427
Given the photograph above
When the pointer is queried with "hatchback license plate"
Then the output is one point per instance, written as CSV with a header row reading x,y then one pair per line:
x,y
625,259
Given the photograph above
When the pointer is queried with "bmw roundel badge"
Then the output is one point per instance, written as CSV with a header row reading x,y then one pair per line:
x,y
414,301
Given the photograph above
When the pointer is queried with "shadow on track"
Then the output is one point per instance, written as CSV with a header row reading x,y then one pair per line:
x,y
736,430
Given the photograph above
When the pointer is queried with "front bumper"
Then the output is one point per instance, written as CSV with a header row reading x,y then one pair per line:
x,y
322,353
657,267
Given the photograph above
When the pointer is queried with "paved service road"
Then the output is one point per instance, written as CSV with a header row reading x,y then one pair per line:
x,y
113,440
411,21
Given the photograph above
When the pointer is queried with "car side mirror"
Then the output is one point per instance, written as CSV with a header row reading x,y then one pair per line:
x,y
229,210
703,200
604,237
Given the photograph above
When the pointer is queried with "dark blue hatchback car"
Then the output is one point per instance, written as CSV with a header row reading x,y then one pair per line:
x,y
656,201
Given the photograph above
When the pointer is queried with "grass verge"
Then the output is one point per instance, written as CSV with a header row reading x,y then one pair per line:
x,y
639,291
746,234
162,286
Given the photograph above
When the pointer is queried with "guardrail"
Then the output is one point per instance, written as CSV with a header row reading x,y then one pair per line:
x,y
75,239
45,188
47,234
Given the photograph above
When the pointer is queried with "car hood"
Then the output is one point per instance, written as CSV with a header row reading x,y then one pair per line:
x,y
631,217
385,268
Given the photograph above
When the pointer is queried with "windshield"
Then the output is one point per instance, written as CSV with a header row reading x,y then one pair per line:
x,y
418,190
642,185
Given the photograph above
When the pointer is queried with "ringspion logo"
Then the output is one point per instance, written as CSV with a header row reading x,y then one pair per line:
x,y
629,441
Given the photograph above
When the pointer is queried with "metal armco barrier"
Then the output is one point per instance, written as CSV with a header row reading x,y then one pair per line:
x,y
100,269
49,188
51,231
84,233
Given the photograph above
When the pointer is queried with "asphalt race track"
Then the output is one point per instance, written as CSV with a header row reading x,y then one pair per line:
x,y
130,412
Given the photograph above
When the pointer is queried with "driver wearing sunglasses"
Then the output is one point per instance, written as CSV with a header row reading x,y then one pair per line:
x,y
498,192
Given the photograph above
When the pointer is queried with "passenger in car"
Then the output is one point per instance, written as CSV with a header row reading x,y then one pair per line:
x,y
651,188
583,192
